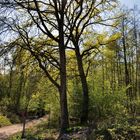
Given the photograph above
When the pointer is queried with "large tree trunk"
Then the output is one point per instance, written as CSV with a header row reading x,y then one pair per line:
x,y
63,82
85,100
63,94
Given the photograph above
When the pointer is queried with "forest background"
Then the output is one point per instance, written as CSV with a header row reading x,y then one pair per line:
x,y
77,61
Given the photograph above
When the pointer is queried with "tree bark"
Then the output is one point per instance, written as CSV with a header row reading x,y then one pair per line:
x,y
85,100
63,82
127,75
62,91
24,115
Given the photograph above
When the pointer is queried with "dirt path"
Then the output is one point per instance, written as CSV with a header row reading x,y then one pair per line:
x,y
7,131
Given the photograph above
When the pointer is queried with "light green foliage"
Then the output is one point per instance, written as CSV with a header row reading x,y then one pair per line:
x,y
4,121
27,88
107,104
75,99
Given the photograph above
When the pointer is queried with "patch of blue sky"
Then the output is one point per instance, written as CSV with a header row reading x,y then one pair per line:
x,y
130,3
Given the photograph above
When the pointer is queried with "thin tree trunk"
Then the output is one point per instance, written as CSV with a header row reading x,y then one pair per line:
x,y
19,92
24,124
103,76
137,58
127,76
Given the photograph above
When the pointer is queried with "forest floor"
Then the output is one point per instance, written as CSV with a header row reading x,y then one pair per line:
x,y
40,129
7,131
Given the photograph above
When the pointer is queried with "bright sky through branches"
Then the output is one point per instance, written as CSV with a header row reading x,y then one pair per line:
x,y
130,3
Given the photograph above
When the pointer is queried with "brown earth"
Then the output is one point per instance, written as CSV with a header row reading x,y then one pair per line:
x,y
7,131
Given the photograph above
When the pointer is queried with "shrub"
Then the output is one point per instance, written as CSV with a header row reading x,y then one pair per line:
x,y
13,118
4,121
